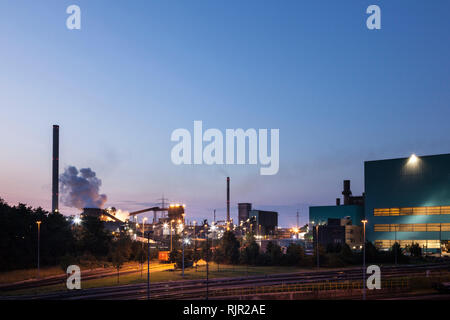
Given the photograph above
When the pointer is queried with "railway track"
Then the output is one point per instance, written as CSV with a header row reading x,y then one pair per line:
x,y
196,289
85,275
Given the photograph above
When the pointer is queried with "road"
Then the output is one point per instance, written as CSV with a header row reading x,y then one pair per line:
x,y
196,289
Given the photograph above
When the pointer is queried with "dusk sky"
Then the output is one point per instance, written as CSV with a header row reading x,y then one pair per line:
x,y
137,70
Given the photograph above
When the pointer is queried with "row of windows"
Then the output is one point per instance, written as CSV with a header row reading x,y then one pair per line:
x,y
413,227
428,244
413,211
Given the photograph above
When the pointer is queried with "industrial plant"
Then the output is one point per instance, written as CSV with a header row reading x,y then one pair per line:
x,y
406,201
168,219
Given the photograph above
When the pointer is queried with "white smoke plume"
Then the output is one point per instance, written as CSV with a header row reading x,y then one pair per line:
x,y
80,189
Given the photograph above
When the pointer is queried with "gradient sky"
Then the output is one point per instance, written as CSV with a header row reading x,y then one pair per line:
x,y
339,93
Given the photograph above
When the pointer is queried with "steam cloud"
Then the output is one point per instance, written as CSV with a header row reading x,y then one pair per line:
x,y
80,189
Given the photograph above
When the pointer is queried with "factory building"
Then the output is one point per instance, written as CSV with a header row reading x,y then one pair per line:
x,y
337,232
264,223
244,212
406,200
353,209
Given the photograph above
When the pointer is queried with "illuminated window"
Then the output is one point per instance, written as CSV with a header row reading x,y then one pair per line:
x,y
381,228
414,227
416,211
425,244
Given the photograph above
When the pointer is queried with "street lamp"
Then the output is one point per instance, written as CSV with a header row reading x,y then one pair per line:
x,y
395,247
143,226
440,240
186,241
317,242
39,240
77,220
148,265
142,243
207,260
364,259
194,222
171,221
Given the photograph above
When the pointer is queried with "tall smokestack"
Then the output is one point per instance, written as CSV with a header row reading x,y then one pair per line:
x,y
228,199
347,192
55,169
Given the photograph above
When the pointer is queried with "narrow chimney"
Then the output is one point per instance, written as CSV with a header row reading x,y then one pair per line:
x,y
347,192
338,201
55,169
228,199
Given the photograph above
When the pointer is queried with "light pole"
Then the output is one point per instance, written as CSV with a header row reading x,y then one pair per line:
x,y
207,260
171,221
38,249
317,242
364,260
318,251
395,253
440,240
195,222
185,241
148,266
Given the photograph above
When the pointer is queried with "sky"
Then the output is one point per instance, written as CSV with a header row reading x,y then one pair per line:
x,y
339,93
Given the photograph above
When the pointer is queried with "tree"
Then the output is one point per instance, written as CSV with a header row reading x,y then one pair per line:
x,y
174,256
120,252
250,253
346,254
294,254
18,234
66,261
396,253
415,250
196,256
372,253
118,260
273,250
334,248
228,249
94,238
206,252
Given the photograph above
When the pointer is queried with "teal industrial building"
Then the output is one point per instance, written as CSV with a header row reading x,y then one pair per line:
x,y
406,200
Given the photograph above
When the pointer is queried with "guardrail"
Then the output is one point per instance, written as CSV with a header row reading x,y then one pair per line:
x,y
307,288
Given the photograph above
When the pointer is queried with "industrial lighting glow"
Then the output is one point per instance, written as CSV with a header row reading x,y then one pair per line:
x,y
77,220
413,159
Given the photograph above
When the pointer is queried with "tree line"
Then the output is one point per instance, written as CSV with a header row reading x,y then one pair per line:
x,y
61,241
229,250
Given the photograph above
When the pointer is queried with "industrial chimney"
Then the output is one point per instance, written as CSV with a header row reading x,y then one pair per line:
x,y
55,169
347,192
228,199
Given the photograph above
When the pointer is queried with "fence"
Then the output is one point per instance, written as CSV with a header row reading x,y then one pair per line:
x,y
307,288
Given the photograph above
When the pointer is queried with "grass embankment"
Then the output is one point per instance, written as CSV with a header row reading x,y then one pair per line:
x,y
46,272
